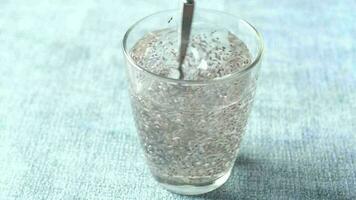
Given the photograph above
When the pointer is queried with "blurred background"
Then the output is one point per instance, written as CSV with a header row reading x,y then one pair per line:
x,y
66,129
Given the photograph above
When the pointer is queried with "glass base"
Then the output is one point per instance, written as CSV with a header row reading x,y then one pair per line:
x,y
196,190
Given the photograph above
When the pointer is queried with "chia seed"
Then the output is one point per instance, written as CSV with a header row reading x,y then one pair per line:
x,y
191,134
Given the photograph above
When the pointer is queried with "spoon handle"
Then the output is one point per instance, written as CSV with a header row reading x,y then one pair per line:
x,y
187,19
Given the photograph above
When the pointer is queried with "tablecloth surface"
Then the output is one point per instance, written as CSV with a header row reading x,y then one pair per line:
x,y
66,128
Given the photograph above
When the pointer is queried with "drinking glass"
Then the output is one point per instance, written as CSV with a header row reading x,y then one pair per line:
x,y
191,130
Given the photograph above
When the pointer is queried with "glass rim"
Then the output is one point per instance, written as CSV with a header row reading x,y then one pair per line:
x,y
196,82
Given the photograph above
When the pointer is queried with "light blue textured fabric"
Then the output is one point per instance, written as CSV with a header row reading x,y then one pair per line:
x,y
66,129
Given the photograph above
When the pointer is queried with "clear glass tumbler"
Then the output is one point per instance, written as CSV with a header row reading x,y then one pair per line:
x,y
191,130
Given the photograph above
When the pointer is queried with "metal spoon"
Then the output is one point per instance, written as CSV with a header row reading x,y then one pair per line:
x,y
187,19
